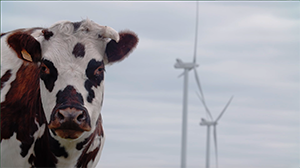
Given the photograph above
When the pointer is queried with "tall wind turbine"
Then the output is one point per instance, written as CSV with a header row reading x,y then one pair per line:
x,y
187,66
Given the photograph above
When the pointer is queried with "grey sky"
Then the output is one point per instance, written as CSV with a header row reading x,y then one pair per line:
x,y
246,49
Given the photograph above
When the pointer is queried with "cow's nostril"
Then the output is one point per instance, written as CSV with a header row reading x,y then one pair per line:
x,y
60,116
80,117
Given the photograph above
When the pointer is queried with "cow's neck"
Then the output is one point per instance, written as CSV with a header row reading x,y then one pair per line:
x,y
82,152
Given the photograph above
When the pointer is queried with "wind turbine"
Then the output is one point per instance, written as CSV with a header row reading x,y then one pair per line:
x,y
210,123
187,66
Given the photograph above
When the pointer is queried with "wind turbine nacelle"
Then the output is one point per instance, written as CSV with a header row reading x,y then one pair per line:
x,y
183,65
207,123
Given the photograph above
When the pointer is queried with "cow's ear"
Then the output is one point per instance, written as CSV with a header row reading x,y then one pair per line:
x,y
26,47
117,51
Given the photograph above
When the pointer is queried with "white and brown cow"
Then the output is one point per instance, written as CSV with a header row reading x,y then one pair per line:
x,y
52,83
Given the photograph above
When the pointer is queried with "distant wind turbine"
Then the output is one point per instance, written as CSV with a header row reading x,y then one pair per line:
x,y
187,66
210,122
213,123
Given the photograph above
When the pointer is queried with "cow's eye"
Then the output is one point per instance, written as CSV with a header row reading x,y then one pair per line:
x,y
99,71
45,69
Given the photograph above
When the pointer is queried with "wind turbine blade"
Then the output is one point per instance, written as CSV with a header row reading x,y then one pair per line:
x,y
196,35
224,109
216,144
198,83
204,104
181,74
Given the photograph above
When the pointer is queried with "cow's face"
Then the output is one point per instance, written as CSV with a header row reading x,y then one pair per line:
x,y
74,56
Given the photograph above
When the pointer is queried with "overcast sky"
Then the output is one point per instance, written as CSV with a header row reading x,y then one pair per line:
x,y
246,49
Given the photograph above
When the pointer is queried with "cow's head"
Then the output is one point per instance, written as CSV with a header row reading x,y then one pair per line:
x,y
72,70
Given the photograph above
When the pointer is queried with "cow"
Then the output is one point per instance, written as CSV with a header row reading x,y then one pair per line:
x,y
52,87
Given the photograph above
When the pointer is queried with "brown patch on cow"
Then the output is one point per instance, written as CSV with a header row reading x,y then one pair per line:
x,y
80,145
47,34
69,96
43,151
85,157
5,78
56,148
48,74
95,73
79,50
21,101
31,159
118,51
26,85
20,41
22,106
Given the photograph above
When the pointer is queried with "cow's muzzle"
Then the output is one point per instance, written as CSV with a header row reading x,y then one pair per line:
x,y
70,122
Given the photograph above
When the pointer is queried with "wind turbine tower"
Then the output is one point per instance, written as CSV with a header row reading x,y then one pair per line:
x,y
187,66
